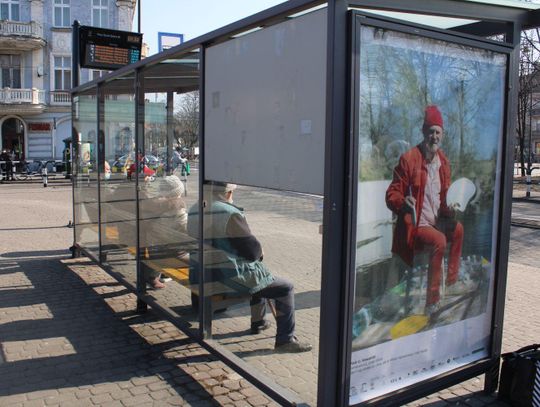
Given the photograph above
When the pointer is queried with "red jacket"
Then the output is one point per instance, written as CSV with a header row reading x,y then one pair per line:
x,y
411,171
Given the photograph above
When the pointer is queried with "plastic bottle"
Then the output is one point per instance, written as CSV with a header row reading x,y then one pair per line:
x,y
361,321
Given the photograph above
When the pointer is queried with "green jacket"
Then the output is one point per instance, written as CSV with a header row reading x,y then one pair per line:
x,y
220,259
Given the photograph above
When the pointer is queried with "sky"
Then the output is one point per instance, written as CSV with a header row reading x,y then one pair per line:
x,y
192,17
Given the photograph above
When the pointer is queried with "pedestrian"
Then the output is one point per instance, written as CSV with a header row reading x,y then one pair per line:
x,y
8,164
177,160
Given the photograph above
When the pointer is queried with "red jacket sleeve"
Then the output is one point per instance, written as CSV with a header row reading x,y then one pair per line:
x,y
397,190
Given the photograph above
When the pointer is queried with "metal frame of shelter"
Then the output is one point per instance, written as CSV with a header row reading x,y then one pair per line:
x,y
337,292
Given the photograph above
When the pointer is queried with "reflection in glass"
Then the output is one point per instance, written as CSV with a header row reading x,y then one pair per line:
x,y
118,166
84,139
427,157
255,260
168,183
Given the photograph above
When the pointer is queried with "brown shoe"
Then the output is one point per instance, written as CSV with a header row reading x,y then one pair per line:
x,y
293,346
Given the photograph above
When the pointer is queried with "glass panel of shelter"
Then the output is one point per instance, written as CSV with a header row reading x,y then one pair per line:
x,y
117,160
85,182
281,246
168,183
264,130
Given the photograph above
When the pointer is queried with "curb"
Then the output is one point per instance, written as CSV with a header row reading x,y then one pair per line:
x,y
523,199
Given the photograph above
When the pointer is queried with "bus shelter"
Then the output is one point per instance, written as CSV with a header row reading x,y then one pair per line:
x,y
322,114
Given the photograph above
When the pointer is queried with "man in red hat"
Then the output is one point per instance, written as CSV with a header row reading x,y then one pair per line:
x,y
425,223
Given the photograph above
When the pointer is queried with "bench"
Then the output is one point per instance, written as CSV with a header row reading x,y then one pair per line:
x,y
220,294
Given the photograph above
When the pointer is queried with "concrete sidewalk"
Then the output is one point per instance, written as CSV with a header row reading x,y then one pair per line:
x,y
69,336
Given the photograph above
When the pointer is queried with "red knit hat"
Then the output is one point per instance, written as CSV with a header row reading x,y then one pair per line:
x,y
432,117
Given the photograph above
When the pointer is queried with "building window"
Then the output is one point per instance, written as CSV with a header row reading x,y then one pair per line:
x,y
10,71
9,10
62,73
100,13
96,74
61,13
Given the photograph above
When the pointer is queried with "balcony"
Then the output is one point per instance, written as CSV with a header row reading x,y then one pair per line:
x,y
22,101
60,98
16,35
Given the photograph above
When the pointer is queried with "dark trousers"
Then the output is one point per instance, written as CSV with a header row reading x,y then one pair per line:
x,y
282,292
8,170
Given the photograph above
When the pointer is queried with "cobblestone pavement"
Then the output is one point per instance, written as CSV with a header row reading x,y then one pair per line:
x,y
68,334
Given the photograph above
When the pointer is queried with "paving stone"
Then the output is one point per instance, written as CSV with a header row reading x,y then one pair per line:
x,y
223,400
82,394
139,390
175,401
232,384
114,403
158,386
219,390
136,400
59,399
203,403
250,392
210,382
104,388
201,376
236,396
120,394
101,398
217,373
13,399
160,394
33,403
191,397
137,381
183,380
258,401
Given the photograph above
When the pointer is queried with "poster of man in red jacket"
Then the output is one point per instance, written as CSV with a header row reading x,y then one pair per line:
x,y
425,223
429,146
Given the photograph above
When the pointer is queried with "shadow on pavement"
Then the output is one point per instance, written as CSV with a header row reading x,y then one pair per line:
x,y
34,228
92,343
35,253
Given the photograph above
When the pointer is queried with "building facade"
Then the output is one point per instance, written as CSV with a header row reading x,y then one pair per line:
x,y
35,69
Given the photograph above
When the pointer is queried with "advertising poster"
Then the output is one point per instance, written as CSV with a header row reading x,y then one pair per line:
x,y
429,117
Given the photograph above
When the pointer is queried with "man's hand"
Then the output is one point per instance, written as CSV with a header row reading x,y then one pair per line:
x,y
410,201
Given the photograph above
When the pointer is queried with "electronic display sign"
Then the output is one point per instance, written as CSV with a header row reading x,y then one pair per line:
x,y
101,48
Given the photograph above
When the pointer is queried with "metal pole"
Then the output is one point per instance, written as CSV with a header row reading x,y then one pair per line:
x,y
75,54
529,163
142,307
139,16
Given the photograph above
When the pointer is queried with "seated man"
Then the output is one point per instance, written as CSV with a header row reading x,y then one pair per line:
x,y
226,230
417,195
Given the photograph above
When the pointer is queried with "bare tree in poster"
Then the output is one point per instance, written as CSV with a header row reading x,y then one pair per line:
x,y
186,118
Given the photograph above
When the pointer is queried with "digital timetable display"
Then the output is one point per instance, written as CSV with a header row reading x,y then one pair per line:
x,y
108,49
